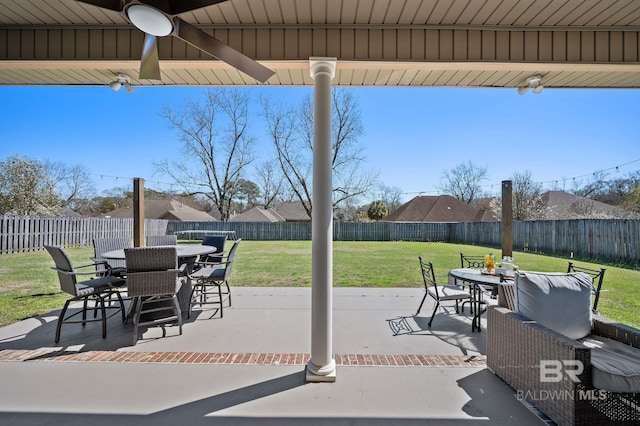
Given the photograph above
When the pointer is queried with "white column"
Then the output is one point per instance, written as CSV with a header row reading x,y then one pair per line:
x,y
322,367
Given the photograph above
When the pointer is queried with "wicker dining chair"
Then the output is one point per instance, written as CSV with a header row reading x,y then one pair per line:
x,y
153,281
161,240
102,245
208,278
98,288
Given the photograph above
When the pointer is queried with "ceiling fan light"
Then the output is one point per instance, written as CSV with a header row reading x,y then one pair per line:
x,y
538,89
115,85
523,90
150,20
129,87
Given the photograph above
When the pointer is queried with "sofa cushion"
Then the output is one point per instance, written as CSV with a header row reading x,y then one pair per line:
x,y
559,301
615,366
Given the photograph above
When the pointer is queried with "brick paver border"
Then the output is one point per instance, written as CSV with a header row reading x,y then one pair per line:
x,y
239,358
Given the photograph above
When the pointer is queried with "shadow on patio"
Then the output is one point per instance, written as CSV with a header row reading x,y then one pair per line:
x,y
249,367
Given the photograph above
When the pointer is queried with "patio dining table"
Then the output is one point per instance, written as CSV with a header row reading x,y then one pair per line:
x,y
186,254
478,278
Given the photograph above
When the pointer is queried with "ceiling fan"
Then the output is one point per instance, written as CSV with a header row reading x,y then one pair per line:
x,y
158,18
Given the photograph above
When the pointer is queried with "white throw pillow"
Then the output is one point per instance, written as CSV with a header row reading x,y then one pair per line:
x,y
559,301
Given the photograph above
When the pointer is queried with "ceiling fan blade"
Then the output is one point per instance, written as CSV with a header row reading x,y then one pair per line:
x,y
150,63
218,49
180,6
115,5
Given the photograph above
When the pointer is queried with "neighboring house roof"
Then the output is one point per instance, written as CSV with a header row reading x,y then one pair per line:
x,y
292,212
165,209
257,214
67,212
283,212
563,205
440,208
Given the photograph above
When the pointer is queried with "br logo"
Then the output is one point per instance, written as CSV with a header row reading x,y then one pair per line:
x,y
553,370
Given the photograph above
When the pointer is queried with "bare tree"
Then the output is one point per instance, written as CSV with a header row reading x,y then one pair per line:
x,y
73,183
632,199
528,203
270,182
296,166
26,187
291,130
391,196
216,143
463,181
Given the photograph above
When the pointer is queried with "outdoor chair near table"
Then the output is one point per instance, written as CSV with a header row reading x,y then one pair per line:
x,y
218,242
439,292
152,280
208,278
98,288
578,368
161,240
467,261
597,275
117,267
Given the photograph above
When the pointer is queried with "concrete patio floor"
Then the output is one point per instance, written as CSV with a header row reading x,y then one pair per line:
x,y
248,367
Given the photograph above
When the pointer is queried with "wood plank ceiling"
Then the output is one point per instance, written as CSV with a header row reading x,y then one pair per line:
x,y
470,43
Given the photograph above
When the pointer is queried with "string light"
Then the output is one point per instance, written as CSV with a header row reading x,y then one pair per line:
x,y
148,181
419,193
491,185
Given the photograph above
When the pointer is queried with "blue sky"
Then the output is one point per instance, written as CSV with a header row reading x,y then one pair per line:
x,y
411,134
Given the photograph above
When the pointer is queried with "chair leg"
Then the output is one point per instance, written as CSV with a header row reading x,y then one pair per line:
x,y
221,302
421,303
191,296
85,302
433,314
61,319
136,319
178,311
228,291
122,310
104,317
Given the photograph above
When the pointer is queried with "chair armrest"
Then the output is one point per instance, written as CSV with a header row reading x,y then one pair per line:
x,y
104,273
195,267
613,330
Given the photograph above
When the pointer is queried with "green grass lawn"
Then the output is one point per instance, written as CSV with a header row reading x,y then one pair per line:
x,y
29,287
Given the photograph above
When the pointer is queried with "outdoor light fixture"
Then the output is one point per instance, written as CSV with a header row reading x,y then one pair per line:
x,y
533,82
122,80
150,20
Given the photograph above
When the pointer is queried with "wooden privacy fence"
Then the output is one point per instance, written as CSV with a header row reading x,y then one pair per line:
x,y
342,231
611,240
29,233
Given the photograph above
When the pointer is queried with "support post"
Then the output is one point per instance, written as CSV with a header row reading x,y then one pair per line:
x,y
138,212
322,367
506,226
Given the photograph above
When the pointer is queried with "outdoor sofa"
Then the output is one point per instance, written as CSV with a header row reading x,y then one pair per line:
x,y
544,349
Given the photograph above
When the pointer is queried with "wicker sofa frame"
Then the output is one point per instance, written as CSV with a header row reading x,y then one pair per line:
x,y
515,348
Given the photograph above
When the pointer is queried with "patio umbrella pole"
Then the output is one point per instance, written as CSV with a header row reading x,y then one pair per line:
x,y
322,367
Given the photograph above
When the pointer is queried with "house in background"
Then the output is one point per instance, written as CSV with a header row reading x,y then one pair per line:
x,y
444,208
439,208
563,205
165,209
283,212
